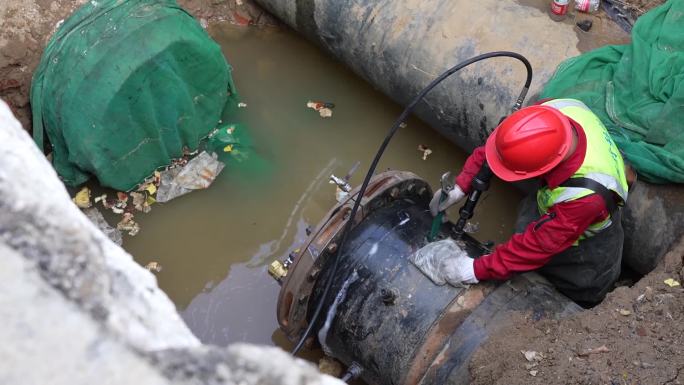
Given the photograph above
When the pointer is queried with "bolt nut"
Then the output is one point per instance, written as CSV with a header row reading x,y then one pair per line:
x,y
389,296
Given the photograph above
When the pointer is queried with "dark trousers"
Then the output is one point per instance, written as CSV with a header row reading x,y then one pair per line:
x,y
586,272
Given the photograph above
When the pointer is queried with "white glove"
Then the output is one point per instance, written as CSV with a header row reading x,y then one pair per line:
x,y
458,270
455,195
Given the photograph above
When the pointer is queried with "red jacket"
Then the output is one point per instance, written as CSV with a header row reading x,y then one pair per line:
x,y
547,236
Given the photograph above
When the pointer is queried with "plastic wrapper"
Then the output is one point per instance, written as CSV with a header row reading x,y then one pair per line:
x,y
96,217
198,174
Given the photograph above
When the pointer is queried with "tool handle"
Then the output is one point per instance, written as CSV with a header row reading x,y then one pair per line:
x,y
480,184
437,220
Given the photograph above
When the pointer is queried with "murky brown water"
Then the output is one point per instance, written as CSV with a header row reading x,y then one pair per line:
x,y
215,245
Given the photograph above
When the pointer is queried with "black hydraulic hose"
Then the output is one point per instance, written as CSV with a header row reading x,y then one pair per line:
x,y
381,150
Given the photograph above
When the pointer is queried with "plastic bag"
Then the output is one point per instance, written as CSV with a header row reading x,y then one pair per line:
x,y
198,174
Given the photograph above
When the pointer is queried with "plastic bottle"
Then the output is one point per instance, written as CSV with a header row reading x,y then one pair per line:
x,y
588,6
559,9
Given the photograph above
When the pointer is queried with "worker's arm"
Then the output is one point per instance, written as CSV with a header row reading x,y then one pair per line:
x,y
549,235
470,169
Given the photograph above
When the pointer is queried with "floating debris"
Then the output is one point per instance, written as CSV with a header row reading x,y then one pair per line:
x,y
324,108
671,282
425,150
140,202
154,266
96,217
128,224
325,112
149,187
533,373
242,105
120,204
624,312
82,198
102,198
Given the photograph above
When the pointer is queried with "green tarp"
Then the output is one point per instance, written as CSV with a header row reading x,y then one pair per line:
x,y
123,87
638,92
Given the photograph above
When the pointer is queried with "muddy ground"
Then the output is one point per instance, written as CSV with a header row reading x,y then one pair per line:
x,y
636,336
28,24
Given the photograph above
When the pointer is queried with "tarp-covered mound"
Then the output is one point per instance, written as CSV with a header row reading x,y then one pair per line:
x,y
124,86
638,92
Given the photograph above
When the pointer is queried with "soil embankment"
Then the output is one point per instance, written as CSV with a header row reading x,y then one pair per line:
x,y
636,336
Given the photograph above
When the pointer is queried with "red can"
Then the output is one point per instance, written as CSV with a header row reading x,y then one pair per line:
x,y
559,7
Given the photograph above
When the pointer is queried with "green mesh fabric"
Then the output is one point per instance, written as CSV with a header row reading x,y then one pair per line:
x,y
638,92
124,86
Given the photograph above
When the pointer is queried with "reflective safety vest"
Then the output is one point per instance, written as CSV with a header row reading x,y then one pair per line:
x,y
602,163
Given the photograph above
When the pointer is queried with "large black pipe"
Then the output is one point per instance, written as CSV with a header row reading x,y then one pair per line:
x,y
400,46
399,327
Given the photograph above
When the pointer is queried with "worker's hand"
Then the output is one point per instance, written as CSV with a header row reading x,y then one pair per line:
x,y
455,195
458,270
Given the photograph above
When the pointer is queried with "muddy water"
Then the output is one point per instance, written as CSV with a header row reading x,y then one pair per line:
x,y
214,245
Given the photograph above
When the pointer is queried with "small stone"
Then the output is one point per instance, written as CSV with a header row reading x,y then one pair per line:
x,y
532,356
648,293
624,312
585,25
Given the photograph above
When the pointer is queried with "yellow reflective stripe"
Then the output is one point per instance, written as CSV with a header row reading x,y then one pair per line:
x,y
564,103
608,182
569,194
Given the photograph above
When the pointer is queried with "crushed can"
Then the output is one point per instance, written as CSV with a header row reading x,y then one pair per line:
x,y
587,6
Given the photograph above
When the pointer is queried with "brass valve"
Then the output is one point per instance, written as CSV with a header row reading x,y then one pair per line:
x,y
277,270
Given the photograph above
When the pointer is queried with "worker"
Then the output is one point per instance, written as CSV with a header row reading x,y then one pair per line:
x,y
570,230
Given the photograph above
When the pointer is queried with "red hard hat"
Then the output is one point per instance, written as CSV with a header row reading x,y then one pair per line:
x,y
529,143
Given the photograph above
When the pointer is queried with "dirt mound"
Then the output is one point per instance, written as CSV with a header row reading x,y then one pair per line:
x,y
636,336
